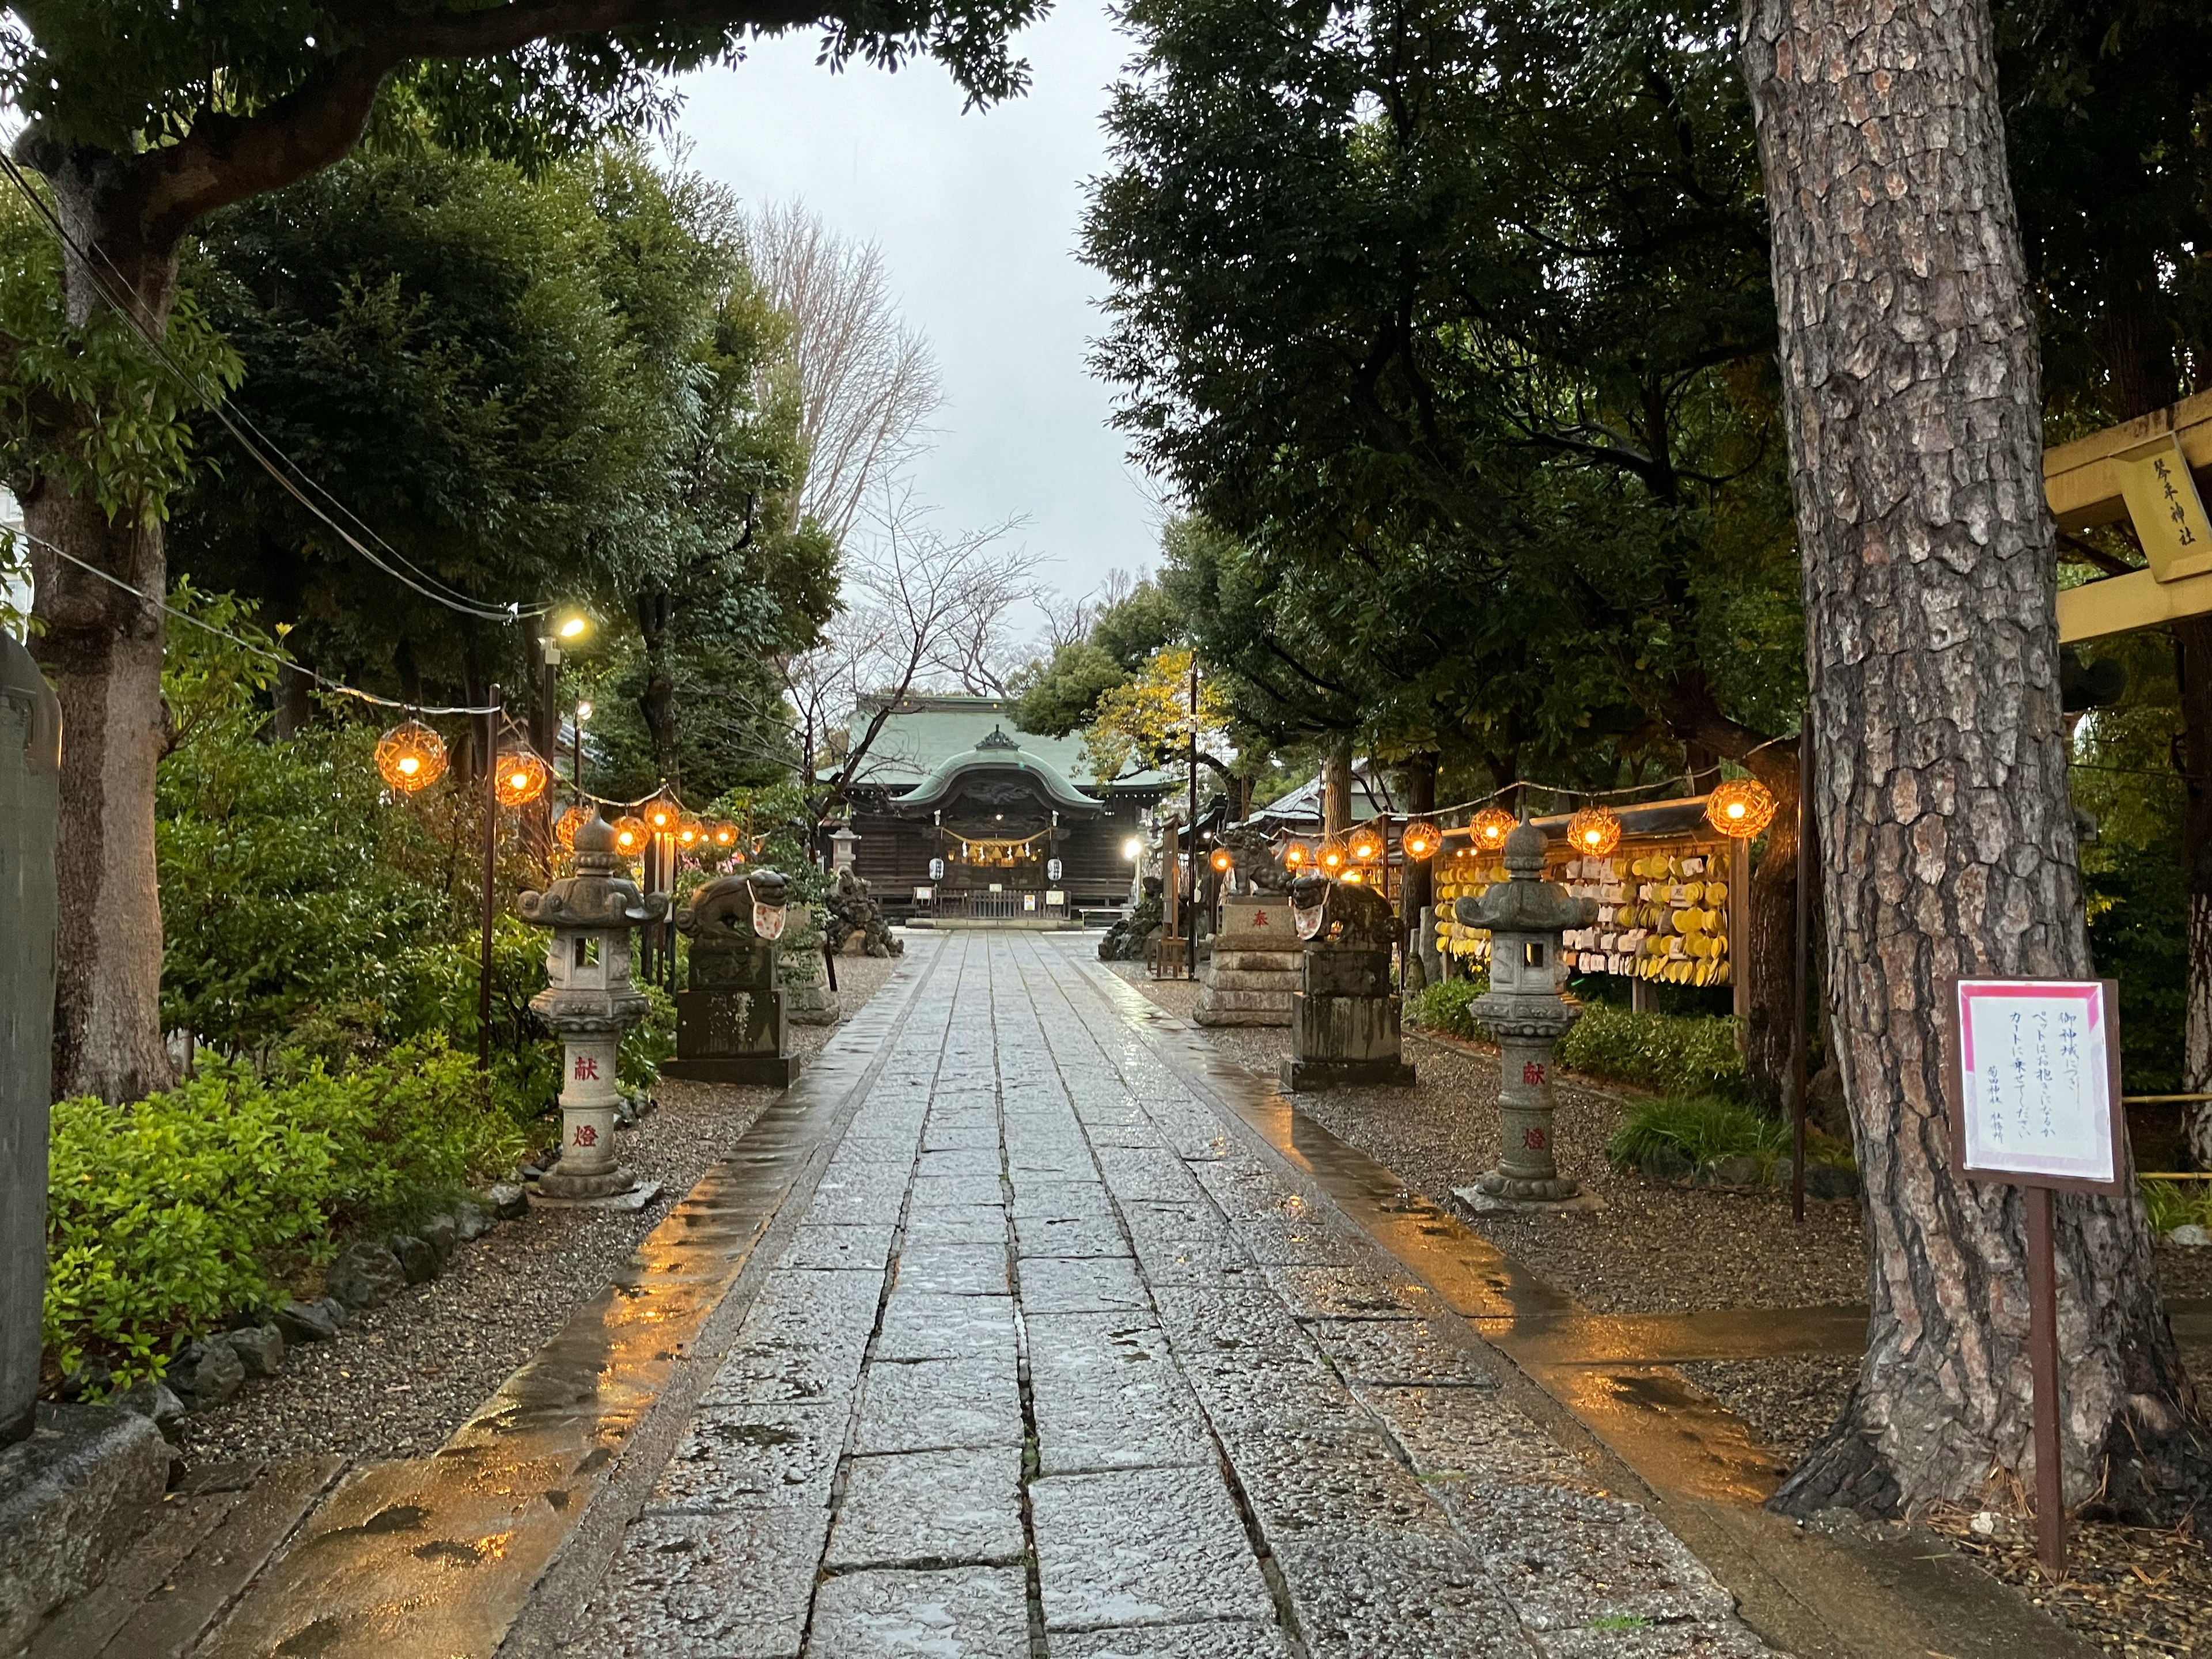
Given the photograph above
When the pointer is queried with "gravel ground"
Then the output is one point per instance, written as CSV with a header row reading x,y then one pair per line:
x,y
403,1377
2135,1593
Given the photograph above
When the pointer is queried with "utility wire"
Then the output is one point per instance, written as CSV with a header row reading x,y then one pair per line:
x,y
124,301
335,687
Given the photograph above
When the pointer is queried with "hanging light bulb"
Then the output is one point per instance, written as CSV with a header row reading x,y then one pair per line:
x,y
1364,844
1489,827
1421,839
630,835
564,829
1221,861
1593,831
1332,858
410,757
661,817
725,836
521,777
1295,856
690,833
1741,808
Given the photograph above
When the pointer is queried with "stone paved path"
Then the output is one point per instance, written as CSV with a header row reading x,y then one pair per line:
x,y
1059,1362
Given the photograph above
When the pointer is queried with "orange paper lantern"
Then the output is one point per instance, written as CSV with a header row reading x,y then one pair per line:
x,y
410,757
522,778
1421,839
1741,808
1593,831
1489,827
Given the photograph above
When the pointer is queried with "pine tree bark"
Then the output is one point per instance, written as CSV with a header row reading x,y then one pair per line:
x,y
2193,664
1911,388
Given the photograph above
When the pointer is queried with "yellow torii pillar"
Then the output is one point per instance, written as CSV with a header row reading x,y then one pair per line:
x,y
2141,471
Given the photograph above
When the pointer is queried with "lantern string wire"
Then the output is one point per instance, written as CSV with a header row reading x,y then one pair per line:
x,y
336,687
120,295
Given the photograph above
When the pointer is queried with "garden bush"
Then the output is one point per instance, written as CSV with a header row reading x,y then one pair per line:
x,y
1704,1132
1670,1054
2170,1204
170,1213
1445,1006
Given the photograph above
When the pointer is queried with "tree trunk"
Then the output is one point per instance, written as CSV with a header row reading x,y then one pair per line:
x,y
1417,888
657,702
101,648
1336,787
1910,386
2193,666
1769,947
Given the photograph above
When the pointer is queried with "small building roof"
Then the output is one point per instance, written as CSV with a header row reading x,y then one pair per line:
x,y
924,730
1302,806
996,752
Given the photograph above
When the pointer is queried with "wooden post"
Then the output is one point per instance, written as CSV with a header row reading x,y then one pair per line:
x,y
2043,1362
1807,870
490,878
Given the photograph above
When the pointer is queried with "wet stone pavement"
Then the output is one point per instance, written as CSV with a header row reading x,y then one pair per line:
x,y
1058,1361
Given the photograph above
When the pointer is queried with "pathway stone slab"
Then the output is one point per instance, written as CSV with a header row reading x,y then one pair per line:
x,y
931,1509
981,1159
1363,1596
1449,1431
1095,1284
803,1338
1241,1640
1388,1352
952,1192
840,1248
953,1270
733,1586
971,1224
935,1404
934,1325
1109,1394
1091,1235
968,1613
737,1457
1142,1546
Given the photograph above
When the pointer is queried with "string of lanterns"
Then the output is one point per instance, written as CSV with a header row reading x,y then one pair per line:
x,y
411,757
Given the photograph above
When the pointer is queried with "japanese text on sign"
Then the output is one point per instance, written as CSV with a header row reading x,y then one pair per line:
x,y
2035,1078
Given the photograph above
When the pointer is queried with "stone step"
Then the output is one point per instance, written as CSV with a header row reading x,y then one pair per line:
x,y
1220,998
1272,961
1253,979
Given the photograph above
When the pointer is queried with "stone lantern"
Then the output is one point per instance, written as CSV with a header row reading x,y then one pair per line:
x,y
590,1002
1526,1009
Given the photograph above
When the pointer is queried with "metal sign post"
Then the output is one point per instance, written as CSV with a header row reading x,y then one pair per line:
x,y
2033,1076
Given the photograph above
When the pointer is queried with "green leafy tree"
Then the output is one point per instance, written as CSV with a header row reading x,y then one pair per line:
x,y
145,120
1458,325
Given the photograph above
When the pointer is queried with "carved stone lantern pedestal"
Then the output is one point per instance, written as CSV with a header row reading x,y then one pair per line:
x,y
1525,1009
589,1001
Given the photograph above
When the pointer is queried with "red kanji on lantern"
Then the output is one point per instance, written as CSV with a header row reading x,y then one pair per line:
x,y
1532,1140
587,1068
1259,918
1532,1072
586,1135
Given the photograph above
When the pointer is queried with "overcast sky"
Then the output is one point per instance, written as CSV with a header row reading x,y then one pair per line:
x,y
978,216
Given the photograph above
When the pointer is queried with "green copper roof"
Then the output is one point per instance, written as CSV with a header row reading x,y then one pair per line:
x,y
923,731
996,752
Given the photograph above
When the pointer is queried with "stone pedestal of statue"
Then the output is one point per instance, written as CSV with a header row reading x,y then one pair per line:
x,y
731,1022
1345,1017
1255,966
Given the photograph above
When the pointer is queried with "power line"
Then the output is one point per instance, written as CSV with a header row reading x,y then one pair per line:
x,y
125,302
336,687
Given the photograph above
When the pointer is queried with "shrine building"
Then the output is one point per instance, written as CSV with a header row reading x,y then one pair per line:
x,y
961,815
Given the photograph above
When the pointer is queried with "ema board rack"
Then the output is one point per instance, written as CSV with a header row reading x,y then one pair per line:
x,y
1672,897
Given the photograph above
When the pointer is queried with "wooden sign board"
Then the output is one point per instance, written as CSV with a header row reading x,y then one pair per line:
x,y
2033,1075
2035,1081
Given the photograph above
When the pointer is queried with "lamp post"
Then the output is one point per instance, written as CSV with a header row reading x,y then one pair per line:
x,y
490,874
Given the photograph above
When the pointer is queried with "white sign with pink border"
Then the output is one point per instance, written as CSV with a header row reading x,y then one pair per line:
x,y
2036,1081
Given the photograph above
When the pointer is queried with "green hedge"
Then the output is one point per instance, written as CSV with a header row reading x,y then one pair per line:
x,y
1706,1132
1668,1054
169,1214
1444,1006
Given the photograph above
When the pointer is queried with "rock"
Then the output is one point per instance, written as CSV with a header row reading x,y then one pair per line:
x,y
1738,1172
94,1379
417,1260
151,1399
308,1322
509,1202
70,1497
471,1223
364,1274
2191,1234
1666,1165
1988,1523
341,1315
209,1371
1831,1181
260,1349
442,1234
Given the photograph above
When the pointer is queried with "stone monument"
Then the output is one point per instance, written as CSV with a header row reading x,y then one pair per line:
x,y
589,1001
30,798
1344,1018
730,1024
803,968
1528,1011
1254,969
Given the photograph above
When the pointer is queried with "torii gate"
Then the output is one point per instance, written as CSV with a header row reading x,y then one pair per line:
x,y
2140,471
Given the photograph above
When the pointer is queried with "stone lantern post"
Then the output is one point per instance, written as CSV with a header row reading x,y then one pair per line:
x,y
590,1002
1526,1008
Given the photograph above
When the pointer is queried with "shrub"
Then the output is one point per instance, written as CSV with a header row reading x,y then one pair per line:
x,y
1446,1006
2172,1203
167,1214
1670,1054
1704,1131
